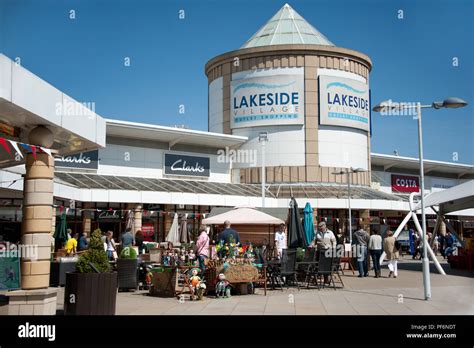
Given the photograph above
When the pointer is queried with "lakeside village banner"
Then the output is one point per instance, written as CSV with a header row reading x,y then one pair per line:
x,y
270,99
344,102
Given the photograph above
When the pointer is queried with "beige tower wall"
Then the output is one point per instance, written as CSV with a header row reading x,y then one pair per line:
x,y
311,58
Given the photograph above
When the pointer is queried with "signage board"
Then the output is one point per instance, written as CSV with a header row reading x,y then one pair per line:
x,y
185,165
405,183
83,160
275,98
344,102
9,269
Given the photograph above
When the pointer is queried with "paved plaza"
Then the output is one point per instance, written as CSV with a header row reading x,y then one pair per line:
x,y
451,294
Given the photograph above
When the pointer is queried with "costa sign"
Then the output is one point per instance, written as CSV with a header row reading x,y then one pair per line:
x,y
405,183
176,164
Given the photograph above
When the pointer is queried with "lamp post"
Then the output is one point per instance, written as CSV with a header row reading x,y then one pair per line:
x,y
263,138
450,103
348,172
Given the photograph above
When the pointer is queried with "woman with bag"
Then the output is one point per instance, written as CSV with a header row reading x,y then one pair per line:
x,y
202,247
111,250
390,248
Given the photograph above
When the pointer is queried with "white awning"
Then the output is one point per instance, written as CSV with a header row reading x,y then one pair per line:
x,y
243,216
456,198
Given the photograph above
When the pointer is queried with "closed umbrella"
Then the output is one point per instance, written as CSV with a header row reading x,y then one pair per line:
x,y
130,221
60,235
296,236
308,223
173,234
184,229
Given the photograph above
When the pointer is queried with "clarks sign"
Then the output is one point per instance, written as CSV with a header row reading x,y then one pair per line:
x,y
405,183
84,160
176,164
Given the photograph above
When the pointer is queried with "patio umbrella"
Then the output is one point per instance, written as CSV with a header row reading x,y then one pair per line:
x,y
308,223
173,234
184,229
60,235
130,221
296,236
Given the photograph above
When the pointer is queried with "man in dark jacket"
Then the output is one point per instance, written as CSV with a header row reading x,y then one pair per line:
x,y
228,234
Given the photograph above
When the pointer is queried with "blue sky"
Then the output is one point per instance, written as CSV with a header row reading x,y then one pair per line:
x,y
84,57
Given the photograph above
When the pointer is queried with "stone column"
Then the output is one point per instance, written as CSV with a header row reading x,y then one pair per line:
x,y
37,220
35,296
137,214
442,228
364,216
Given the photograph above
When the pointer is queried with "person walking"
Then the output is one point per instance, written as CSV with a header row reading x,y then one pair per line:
x,y
202,248
280,240
375,250
390,248
361,240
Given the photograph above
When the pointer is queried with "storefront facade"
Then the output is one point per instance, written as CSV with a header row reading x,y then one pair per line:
x,y
310,97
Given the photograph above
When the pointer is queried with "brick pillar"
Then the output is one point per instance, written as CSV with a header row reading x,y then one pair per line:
x,y
364,216
37,220
87,218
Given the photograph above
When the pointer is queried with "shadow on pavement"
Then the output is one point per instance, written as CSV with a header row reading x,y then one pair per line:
x,y
416,266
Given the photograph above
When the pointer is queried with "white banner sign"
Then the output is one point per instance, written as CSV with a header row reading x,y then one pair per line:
x,y
344,102
268,100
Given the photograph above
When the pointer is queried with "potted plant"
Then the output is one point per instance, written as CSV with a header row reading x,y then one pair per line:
x,y
92,289
127,268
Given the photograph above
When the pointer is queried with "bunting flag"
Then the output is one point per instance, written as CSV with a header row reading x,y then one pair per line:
x,y
27,147
5,146
17,149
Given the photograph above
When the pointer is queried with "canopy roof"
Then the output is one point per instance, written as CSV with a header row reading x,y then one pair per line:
x,y
456,198
243,216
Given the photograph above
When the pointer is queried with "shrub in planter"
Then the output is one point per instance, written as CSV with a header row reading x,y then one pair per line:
x,y
92,289
127,267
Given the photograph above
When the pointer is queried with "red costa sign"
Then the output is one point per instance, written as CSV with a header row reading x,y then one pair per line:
x,y
405,183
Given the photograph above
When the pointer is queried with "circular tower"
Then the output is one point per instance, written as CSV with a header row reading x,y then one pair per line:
x,y
311,97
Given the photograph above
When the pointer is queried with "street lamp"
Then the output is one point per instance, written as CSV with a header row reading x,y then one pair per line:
x,y
262,139
450,103
347,172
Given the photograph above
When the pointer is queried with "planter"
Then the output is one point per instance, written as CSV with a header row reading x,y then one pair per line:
x,y
127,273
58,272
164,283
90,293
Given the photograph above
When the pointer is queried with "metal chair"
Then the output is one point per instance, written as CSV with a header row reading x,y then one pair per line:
x,y
287,267
325,265
336,267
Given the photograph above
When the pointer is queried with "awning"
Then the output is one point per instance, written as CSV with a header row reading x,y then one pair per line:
x,y
243,216
456,198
